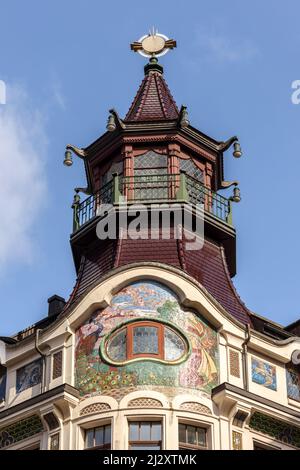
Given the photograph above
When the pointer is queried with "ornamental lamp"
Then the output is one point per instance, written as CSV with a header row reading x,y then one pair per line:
x,y
236,195
111,124
68,158
237,152
184,122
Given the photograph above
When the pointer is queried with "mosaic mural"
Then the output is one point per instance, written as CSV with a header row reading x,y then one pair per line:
x,y
293,383
153,301
263,373
29,375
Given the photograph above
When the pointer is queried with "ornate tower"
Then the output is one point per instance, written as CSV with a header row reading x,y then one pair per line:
x,y
154,348
154,155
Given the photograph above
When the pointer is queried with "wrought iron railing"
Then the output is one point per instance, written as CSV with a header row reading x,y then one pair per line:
x,y
152,188
86,210
214,203
160,187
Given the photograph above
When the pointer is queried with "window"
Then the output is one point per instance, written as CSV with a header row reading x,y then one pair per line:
x,y
145,435
150,176
146,339
192,437
98,438
3,374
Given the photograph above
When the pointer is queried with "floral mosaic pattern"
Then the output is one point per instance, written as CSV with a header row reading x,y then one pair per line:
x,y
29,375
263,373
151,300
293,383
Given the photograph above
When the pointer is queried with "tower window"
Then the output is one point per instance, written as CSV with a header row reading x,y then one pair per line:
x,y
98,438
145,339
145,435
192,437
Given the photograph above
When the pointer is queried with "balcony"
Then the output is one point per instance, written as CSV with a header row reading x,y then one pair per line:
x,y
147,189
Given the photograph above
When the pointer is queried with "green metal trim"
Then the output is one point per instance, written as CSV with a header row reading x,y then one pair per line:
x,y
116,195
104,356
182,193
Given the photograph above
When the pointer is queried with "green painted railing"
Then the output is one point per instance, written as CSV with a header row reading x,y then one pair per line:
x,y
152,188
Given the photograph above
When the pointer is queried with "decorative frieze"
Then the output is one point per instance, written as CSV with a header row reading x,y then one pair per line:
x,y
144,403
237,440
94,408
234,363
20,430
54,442
195,407
275,428
57,365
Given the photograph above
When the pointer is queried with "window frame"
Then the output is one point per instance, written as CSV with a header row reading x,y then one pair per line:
x,y
94,428
188,446
145,442
129,326
130,340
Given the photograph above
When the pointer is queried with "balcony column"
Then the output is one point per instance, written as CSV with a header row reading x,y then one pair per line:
x,y
116,196
182,193
128,170
76,202
174,168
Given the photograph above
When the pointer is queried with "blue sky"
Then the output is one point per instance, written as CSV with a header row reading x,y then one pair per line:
x,y
65,63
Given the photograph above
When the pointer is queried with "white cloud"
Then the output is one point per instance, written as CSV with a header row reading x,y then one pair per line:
x,y
22,175
218,47
58,96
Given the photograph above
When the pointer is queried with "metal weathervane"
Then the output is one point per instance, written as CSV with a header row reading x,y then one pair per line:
x,y
153,44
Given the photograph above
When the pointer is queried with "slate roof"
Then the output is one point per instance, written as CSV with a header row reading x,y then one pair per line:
x,y
208,266
153,100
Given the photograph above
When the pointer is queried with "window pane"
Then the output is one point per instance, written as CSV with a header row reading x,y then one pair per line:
x,y
107,434
117,347
191,435
145,447
134,431
182,433
145,340
145,434
99,436
156,432
89,438
202,437
174,345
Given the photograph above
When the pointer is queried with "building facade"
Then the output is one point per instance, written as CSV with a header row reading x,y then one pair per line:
x,y
154,349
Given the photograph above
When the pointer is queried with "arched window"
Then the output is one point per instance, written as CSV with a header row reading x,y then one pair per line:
x,y
145,339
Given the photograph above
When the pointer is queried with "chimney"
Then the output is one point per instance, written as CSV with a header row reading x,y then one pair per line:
x,y
56,304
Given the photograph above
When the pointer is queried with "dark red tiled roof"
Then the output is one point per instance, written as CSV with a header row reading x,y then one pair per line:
x,y
153,101
208,266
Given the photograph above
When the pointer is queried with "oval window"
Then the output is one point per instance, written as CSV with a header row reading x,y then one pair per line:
x,y
145,339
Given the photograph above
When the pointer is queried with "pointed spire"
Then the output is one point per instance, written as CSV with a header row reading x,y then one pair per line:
x,y
153,101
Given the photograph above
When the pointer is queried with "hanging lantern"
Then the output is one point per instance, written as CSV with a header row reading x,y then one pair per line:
x,y
236,195
68,158
111,124
184,121
237,152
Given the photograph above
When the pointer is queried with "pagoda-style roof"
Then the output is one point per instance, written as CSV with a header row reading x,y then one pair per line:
x,y
153,100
